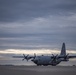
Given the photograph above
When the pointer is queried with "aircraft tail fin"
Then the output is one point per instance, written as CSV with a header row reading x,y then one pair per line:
x,y
63,50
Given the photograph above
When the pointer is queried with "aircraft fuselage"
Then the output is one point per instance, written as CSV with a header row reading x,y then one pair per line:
x,y
45,60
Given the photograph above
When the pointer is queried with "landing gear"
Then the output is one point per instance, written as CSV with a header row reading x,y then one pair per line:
x,y
38,65
45,65
53,64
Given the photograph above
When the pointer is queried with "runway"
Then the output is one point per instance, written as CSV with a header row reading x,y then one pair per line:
x,y
37,70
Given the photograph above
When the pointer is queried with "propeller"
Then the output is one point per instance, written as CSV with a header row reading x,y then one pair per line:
x,y
54,57
66,57
67,54
25,57
34,55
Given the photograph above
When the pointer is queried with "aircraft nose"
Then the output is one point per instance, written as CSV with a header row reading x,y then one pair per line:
x,y
32,60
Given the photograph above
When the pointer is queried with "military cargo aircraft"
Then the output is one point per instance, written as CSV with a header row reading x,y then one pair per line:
x,y
48,60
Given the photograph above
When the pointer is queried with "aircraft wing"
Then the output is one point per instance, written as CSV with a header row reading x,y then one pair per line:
x,y
71,56
24,57
18,56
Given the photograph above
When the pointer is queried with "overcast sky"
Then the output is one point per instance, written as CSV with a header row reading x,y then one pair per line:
x,y
37,24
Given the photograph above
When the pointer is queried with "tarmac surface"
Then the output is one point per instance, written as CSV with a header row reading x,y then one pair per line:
x,y
37,70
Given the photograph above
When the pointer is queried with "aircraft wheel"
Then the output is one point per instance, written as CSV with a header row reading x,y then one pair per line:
x,y
45,65
38,65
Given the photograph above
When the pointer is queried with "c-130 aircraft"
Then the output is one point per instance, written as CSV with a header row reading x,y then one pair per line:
x,y
48,60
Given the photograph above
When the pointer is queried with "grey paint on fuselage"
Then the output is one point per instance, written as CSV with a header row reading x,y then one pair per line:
x,y
42,60
45,60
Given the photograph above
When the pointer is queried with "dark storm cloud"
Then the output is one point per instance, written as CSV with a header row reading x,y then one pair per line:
x,y
37,24
38,33
15,10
